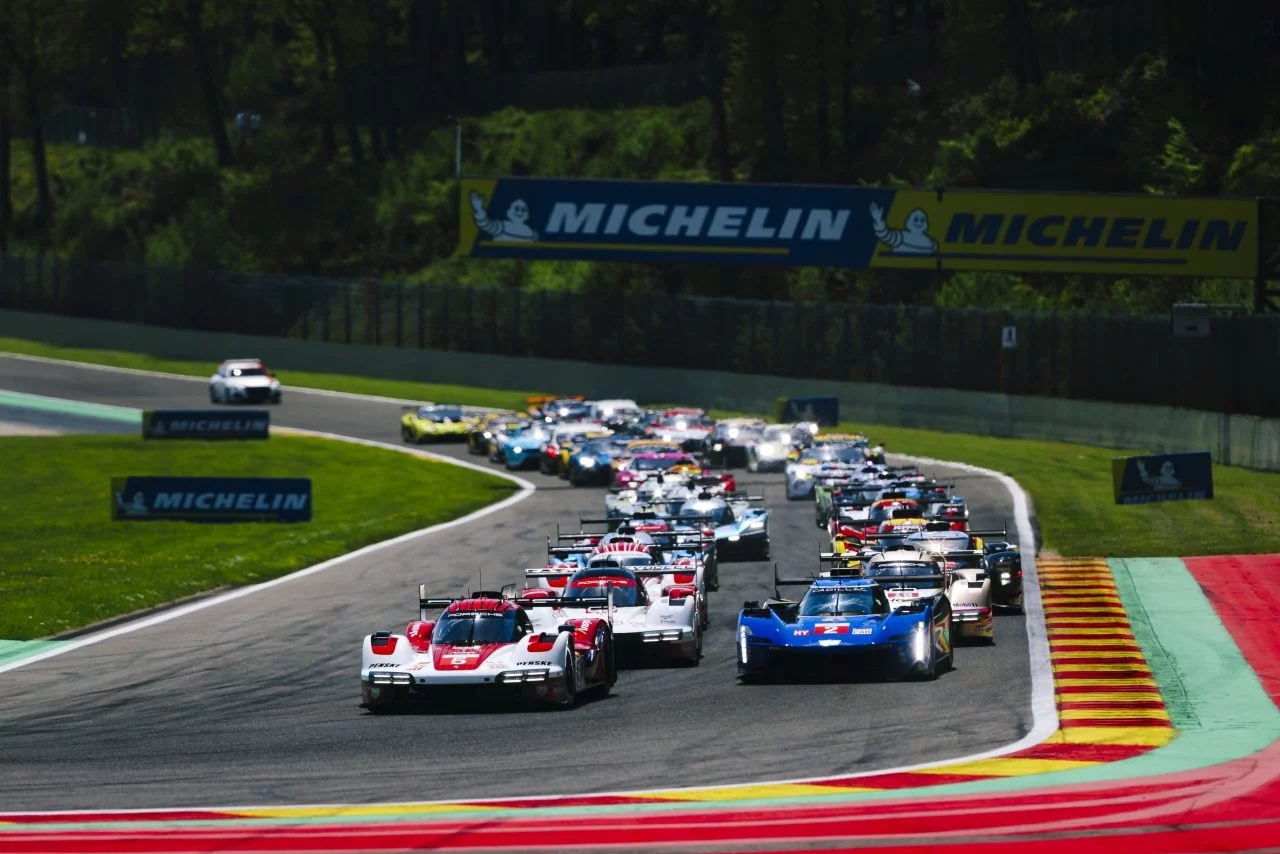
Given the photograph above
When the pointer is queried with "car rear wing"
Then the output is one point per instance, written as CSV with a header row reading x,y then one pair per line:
x,y
435,603
618,521
936,580
1002,534
779,582
658,570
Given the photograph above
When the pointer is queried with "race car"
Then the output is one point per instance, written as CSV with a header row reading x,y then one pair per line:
x,y
800,473
686,427
662,627
1004,564
523,449
909,573
643,465
590,463
244,381
487,644
727,443
775,445
846,624
551,408
487,425
741,529
555,451
432,421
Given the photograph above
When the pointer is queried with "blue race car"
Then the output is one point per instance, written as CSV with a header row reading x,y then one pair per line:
x,y
592,464
524,449
741,530
844,626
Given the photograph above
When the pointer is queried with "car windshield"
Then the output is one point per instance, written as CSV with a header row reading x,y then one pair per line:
x,y
440,414
859,602
716,510
900,569
625,594
842,453
658,463
476,628
247,372
682,422
884,512
781,435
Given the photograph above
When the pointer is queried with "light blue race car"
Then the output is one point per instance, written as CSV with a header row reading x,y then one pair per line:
x,y
741,529
524,449
844,626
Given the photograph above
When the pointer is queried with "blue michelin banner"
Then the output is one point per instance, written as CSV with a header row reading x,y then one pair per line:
x,y
211,499
1162,477
857,227
823,410
205,424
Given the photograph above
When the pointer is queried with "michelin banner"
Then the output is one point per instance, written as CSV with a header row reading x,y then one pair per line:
x,y
1162,477
205,424
858,227
211,499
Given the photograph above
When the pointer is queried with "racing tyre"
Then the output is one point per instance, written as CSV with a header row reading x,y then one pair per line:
x,y
406,434
697,652
570,688
213,395
391,702
611,653
930,669
764,551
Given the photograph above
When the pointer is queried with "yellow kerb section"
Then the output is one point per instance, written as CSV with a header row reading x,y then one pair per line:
x,y
744,793
1008,766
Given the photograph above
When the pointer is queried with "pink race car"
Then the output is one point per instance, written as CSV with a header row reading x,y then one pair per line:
x,y
644,466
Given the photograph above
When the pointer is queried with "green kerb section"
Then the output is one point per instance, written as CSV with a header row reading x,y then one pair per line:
x,y
14,651
68,407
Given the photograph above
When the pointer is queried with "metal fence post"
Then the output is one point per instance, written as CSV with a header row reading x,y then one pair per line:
x,y
346,294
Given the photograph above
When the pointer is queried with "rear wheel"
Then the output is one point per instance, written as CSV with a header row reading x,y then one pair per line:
x,y
213,395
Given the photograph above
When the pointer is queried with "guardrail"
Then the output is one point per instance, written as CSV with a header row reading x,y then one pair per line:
x,y
1118,359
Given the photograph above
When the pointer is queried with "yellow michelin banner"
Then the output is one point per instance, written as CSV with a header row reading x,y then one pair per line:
x,y
1141,235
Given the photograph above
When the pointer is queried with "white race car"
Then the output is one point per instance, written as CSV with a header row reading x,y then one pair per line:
x,y
244,381
651,623
488,644
912,572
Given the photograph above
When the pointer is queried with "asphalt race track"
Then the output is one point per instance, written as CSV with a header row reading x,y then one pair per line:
x,y
256,701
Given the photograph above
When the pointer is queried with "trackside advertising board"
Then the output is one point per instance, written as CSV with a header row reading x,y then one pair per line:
x,y
205,424
211,499
1162,477
858,227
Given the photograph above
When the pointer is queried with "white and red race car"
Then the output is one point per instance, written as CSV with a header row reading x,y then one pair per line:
x,y
661,622
488,644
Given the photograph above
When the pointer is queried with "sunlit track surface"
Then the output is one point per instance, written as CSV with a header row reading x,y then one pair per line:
x,y
256,701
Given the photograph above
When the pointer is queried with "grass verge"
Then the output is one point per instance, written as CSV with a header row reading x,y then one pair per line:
x,y
466,395
1069,484
59,540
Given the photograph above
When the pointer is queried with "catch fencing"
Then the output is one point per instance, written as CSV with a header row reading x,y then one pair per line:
x,y
1128,359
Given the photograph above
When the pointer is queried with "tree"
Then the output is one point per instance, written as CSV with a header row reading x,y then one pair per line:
x,y
6,135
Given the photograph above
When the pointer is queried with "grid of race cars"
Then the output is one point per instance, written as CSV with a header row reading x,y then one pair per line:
x,y
904,576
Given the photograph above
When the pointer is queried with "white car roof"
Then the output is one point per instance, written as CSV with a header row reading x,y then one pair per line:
x,y
243,363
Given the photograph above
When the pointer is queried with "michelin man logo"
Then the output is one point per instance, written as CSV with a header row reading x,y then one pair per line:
x,y
914,239
1164,480
514,229
136,507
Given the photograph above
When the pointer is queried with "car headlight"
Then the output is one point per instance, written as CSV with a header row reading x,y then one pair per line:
x,y
1005,577
733,432
743,633
586,462
767,450
516,449
918,642
754,525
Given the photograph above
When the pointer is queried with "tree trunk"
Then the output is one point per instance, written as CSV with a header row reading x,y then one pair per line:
x,y
208,89
348,100
775,163
719,115
849,23
328,139
35,116
376,92
458,49
824,88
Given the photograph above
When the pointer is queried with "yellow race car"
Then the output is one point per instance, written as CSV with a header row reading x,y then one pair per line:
x,y
436,422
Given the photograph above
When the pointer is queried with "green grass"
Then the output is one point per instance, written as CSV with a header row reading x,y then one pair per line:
x,y
1070,486
66,564
466,395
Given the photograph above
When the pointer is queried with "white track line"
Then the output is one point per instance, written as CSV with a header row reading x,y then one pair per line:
x,y
526,489
288,389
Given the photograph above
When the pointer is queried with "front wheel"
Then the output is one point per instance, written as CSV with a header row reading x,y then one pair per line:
x,y
569,690
406,434
213,395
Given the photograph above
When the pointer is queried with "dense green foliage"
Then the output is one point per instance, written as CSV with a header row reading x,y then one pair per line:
x,y
351,173
59,536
